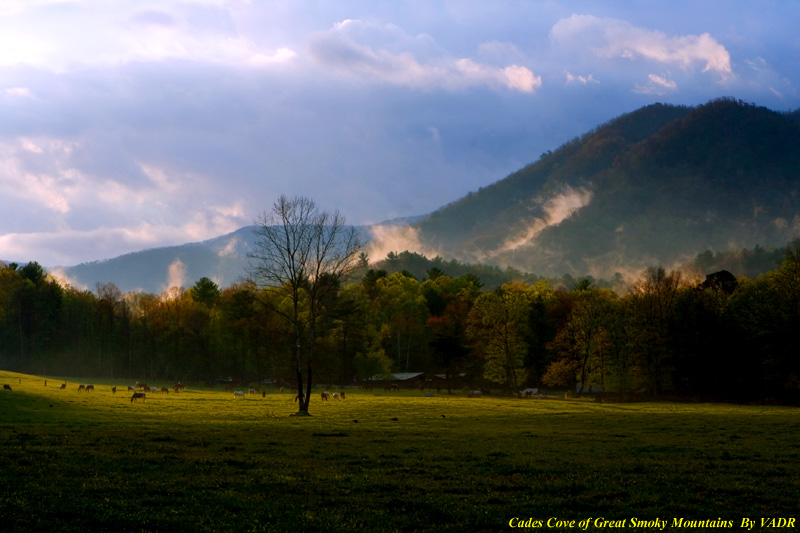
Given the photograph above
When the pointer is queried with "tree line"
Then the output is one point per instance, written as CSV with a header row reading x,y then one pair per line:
x,y
720,339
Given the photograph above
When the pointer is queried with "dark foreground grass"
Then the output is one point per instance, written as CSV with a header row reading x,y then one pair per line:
x,y
202,461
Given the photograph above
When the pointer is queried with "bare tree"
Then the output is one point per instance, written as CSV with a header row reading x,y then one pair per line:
x,y
303,253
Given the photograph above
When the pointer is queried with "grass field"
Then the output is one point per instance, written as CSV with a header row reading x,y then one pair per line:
x,y
204,461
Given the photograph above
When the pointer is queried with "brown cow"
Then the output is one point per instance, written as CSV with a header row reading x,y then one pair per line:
x,y
81,387
6,387
63,386
89,388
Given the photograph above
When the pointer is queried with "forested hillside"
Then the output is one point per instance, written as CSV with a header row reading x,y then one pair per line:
x,y
658,185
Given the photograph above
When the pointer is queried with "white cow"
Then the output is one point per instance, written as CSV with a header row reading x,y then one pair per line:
x,y
238,394
251,391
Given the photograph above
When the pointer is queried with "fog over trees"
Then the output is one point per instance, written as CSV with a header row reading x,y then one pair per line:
x,y
667,335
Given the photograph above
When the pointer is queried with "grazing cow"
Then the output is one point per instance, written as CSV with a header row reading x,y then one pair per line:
x,y
251,391
63,386
165,389
81,387
335,395
179,386
153,390
6,387
324,396
138,395
89,388
342,395
141,386
238,394
114,389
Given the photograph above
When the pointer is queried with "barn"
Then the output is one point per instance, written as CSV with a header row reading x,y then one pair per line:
x,y
403,380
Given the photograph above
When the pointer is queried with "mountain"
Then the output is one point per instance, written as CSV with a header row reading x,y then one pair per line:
x,y
223,259
655,186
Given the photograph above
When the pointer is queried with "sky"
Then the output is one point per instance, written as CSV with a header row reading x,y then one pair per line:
x,y
133,125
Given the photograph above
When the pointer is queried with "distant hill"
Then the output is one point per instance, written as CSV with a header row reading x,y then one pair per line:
x,y
655,186
222,259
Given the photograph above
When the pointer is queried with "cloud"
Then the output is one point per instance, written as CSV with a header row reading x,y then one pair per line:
x,y
282,55
396,238
556,209
229,250
19,92
657,85
577,78
176,275
69,38
65,213
610,38
336,50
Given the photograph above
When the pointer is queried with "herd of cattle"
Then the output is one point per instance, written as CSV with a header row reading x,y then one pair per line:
x,y
140,391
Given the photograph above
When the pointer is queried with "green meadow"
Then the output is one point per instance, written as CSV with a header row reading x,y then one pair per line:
x,y
382,461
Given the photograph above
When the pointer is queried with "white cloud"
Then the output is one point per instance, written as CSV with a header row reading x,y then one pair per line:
x,y
389,238
612,38
229,250
76,35
556,209
19,92
578,78
282,55
657,85
66,214
336,50
176,274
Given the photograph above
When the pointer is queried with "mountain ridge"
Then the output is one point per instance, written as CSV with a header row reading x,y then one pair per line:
x,y
658,185
615,198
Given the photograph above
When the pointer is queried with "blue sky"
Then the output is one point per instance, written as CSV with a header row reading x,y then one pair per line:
x,y
133,125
